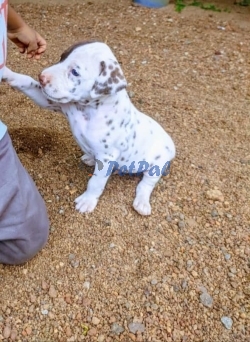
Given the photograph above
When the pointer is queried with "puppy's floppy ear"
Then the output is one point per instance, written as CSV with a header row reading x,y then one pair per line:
x,y
110,80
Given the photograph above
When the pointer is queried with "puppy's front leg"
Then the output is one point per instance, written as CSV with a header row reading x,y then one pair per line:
x,y
87,202
29,87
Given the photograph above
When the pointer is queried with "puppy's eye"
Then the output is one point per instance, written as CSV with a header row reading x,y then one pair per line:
x,y
74,72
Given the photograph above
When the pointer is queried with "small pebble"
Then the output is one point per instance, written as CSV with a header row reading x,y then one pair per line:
x,y
92,332
28,330
132,337
44,285
215,195
190,265
6,331
246,290
154,306
247,250
68,298
154,281
75,263
128,305
71,257
13,335
194,274
52,292
233,270
51,315
206,300
176,288
32,298
181,224
136,327
86,302
190,241
44,312
227,322
227,256
71,339
86,285
184,284
202,289
68,332
112,319
117,329
214,213
95,320
81,276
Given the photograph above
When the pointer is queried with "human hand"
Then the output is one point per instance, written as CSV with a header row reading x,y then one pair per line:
x,y
28,41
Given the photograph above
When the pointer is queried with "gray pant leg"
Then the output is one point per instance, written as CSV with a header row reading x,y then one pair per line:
x,y
24,224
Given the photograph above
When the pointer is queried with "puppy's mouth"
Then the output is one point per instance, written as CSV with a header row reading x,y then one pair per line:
x,y
55,99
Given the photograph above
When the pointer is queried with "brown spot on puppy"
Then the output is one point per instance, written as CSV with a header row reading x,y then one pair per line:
x,y
67,52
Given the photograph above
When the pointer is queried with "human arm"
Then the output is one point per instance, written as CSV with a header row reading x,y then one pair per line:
x,y
27,39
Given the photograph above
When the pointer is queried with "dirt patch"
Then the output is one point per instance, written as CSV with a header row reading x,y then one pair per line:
x,y
113,275
35,141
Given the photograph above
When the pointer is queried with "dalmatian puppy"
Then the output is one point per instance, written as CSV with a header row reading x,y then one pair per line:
x,y
88,86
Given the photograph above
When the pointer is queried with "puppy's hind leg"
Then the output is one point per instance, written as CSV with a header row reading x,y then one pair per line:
x,y
143,192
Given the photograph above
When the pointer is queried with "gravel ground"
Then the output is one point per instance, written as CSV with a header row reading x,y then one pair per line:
x,y
181,274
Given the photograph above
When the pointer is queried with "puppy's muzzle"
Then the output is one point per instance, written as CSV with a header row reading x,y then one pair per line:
x,y
44,79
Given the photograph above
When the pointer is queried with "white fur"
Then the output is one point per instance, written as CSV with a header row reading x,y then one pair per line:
x,y
103,120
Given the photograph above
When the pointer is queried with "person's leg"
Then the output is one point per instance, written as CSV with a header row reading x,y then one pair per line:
x,y
24,224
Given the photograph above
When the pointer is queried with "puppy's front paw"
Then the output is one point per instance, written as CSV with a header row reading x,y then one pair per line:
x,y
142,206
85,203
88,160
8,75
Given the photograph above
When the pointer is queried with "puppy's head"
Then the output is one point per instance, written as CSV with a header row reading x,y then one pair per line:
x,y
87,70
